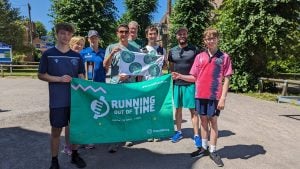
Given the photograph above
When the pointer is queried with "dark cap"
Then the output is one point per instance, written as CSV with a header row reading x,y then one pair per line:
x,y
93,33
181,28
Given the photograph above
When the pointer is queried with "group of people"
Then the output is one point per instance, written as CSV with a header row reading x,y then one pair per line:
x,y
201,80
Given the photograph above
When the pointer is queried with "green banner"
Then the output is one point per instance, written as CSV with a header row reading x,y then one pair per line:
x,y
105,113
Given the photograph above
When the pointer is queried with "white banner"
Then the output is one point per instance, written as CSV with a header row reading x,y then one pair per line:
x,y
144,64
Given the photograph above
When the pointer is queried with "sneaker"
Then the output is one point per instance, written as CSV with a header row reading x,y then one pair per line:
x,y
54,164
197,141
217,159
90,146
129,143
78,161
200,153
67,150
177,136
113,148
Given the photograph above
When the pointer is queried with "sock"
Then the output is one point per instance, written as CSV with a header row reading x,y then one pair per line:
x,y
204,143
74,152
212,148
54,158
179,131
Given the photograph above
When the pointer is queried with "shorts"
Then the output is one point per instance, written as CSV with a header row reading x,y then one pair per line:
x,y
206,107
59,117
184,96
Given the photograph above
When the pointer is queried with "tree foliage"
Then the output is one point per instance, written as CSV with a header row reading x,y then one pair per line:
x,y
256,33
40,29
141,12
99,15
193,14
12,28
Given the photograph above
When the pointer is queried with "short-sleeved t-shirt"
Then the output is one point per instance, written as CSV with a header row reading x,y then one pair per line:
x,y
209,73
56,63
136,43
182,59
88,54
116,60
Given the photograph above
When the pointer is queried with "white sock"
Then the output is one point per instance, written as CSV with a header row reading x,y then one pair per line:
x,y
212,148
179,131
204,143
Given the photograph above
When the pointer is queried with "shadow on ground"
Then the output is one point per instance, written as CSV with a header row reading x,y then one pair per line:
x,y
292,116
26,149
241,151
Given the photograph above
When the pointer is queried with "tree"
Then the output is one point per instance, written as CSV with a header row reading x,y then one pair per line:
x,y
12,28
40,29
99,15
255,33
141,12
193,14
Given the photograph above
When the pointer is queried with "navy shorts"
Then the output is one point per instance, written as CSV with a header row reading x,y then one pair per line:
x,y
59,117
206,107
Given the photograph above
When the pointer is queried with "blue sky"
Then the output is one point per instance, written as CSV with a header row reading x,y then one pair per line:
x,y
40,10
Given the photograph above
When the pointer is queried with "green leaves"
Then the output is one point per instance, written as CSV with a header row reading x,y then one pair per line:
x,y
86,15
256,33
194,14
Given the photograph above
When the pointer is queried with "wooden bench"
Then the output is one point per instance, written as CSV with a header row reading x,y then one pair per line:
x,y
284,81
10,66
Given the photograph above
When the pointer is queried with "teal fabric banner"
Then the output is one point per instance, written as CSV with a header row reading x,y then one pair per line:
x,y
105,113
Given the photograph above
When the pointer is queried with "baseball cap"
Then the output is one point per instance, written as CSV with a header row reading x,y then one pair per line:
x,y
93,33
181,28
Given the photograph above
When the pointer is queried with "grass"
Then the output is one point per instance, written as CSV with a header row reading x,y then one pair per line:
x,y
263,96
20,74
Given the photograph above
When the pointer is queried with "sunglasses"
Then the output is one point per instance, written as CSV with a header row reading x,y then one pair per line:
x,y
123,32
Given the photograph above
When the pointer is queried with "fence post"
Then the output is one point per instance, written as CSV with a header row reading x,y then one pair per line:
x,y
260,85
284,88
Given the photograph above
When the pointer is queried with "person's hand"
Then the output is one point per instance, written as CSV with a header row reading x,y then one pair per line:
x,y
123,77
221,104
65,78
176,75
115,50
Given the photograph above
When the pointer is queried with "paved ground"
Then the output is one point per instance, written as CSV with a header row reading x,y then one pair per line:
x,y
253,134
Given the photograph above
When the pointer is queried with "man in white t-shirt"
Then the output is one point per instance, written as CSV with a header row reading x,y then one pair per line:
x,y
153,47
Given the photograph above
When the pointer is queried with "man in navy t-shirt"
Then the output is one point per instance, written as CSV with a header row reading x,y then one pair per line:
x,y
58,66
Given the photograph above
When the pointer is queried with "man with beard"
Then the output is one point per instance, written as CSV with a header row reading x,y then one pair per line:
x,y
181,59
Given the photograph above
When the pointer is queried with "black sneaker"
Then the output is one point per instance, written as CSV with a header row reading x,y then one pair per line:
x,y
54,164
200,153
113,148
78,161
217,159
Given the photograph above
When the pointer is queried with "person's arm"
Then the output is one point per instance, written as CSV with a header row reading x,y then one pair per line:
x,y
221,104
188,78
48,78
171,64
108,58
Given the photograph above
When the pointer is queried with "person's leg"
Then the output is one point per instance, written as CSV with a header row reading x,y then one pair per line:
x,y
178,118
195,121
67,147
195,124
55,139
204,131
54,144
178,113
213,133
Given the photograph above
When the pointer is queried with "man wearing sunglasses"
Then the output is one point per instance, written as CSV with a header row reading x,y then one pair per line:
x,y
112,59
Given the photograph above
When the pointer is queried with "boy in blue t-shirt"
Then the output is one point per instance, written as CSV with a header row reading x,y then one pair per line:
x,y
58,66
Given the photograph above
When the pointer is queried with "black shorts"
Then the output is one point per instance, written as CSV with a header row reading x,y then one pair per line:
x,y
206,107
59,117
